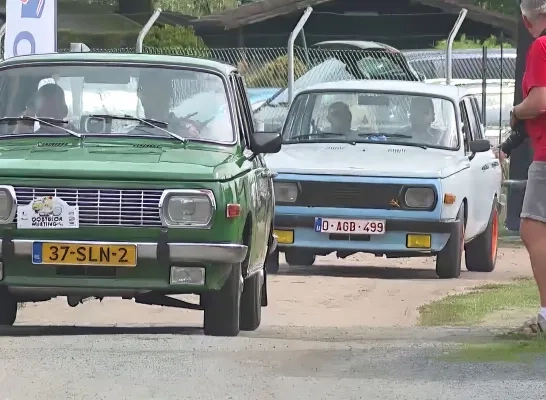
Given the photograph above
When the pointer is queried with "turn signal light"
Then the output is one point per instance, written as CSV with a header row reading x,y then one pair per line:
x,y
233,210
449,198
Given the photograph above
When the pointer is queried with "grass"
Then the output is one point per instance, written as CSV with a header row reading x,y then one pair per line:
x,y
520,349
473,307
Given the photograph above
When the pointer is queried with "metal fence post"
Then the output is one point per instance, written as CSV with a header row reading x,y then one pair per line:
x,y
485,61
450,39
145,29
291,40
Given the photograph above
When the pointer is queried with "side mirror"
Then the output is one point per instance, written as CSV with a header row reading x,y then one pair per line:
x,y
265,142
479,146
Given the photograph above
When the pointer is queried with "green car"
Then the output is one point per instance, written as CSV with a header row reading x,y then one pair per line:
x,y
133,176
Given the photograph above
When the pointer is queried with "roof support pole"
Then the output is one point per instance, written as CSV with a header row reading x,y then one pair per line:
x,y
291,40
145,29
450,40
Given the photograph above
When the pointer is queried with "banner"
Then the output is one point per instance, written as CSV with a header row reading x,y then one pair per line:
x,y
31,27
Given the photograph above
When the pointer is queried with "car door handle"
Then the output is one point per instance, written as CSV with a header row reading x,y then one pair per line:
x,y
268,174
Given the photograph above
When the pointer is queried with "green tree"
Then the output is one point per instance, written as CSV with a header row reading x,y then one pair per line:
x,y
465,43
196,8
173,36
509,7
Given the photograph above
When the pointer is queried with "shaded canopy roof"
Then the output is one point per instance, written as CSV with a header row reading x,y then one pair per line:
x,y
265,9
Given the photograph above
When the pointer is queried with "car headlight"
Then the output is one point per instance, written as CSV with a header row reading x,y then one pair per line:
x,y
285,192
8,204
419,197
187,208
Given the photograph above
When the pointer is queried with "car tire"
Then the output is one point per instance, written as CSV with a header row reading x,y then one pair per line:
x,y
449,259
251,302
222,307
481,252
299,258
272,264
8,308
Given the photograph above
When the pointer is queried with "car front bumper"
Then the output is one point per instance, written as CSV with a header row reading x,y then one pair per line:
x,y
206,264
393,241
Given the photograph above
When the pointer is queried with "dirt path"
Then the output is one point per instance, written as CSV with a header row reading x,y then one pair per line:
x,y
361,290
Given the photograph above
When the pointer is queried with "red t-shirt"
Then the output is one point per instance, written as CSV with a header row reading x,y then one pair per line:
x,y
535,76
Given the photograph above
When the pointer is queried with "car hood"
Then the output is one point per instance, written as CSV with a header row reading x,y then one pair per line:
x,y
365,159
118,160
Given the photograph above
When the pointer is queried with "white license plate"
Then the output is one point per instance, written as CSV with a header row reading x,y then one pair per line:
x,y
350,226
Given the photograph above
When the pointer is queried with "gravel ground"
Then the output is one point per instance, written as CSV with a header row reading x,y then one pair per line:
x,y
343,329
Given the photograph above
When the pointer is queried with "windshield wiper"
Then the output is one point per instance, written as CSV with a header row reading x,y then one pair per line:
x,y
145,121
387,135
45,121
316,134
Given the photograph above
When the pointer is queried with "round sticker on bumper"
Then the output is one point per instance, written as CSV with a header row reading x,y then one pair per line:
x,y
47,212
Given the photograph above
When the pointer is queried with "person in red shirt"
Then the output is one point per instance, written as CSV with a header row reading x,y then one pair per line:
x,y
532,112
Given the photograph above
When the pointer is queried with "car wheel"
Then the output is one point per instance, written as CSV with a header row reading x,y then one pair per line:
x,y
222,307
272,263
251,302
8,308
448,261
299,258
481,252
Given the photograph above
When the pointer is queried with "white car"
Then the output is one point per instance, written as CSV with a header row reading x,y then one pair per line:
x,y
499,97
399,179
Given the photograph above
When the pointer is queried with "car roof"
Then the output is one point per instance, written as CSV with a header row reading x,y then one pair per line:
x,y
475,86
131,58
430,89
360,44
426,54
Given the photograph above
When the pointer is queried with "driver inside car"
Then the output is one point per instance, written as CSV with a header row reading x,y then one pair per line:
x,y
155,97
340,118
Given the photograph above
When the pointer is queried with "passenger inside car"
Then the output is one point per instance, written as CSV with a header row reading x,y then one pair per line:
x,y
339,117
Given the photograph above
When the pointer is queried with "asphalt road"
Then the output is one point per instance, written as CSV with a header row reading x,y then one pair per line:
x,y
173,363
343,330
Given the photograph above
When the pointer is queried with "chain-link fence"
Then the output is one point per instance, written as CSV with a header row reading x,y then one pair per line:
x,y
266,71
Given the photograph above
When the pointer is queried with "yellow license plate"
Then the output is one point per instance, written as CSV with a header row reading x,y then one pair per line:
x,y
105,255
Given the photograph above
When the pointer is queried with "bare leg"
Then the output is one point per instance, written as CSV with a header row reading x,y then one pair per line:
x,y
533,234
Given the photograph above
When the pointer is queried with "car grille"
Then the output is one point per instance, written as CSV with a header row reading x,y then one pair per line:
x,y
348,195
106,207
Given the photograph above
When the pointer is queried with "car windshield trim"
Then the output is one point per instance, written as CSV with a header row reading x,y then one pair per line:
x,y
436,96
149,65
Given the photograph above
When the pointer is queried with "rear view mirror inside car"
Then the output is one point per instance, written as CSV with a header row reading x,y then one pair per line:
x,y
373,100
113,78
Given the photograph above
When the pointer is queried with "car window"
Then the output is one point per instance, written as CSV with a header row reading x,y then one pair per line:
x,y
476,130
361,117
192,103
467,125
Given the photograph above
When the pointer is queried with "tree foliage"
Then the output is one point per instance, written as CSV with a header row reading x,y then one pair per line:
x,y
173,36
509,7
274,73
464,43
196,8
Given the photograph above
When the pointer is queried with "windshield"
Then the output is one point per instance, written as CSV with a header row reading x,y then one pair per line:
x,y
105,99
372,117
